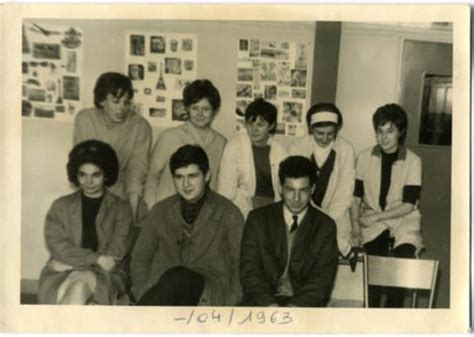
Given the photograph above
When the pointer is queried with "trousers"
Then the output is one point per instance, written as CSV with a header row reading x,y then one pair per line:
x,y
178,286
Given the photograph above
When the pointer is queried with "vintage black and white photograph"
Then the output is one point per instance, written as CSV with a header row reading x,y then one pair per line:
x,y
316,173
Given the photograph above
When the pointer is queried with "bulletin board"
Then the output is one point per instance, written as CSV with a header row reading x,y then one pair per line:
x,y
277,72
51,71
160,65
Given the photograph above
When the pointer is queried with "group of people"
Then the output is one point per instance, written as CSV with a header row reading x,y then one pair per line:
x,y
199,220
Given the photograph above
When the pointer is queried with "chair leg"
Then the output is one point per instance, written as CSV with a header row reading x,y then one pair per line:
x,y
413,299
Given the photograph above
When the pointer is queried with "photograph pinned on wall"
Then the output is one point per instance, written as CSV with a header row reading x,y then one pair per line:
x,y
291,129
24,68
72,38
243,45
36,95
157,44
241,107
136,72
283,74
244,90
298,78
178,111
301,58
269,49
174,44
26,108
298,93
256,74
71,61
268,71
46,51
245,74
157,112
270,92
147,91
280,128
152,67
173,66
292,112
187,44
188,65
137,45
44,112
71,88
60,108
160,99
71,109
254,48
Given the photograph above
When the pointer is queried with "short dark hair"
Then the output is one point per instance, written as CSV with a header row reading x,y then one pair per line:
x,y
116,84
329,107
392,113
296,167
187,155
263,109
200,89
94,152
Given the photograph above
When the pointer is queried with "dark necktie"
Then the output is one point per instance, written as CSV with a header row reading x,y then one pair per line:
x,y
294,225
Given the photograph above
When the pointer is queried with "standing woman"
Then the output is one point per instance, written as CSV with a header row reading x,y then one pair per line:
x,y
388,186
202,102
113,121
87,233
248,174
332,157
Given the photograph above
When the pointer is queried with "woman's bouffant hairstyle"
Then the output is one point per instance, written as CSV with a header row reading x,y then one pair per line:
x,y
296,167
116,84
392,113
93,152
328,107
263,109
200,89
187,155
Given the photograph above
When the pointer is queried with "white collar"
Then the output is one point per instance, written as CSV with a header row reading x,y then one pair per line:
x,y
289,216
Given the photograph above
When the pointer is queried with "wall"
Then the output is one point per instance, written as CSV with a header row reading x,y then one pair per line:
x,y
418,57
374,69
46,143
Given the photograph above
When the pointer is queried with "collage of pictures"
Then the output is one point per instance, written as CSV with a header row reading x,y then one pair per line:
x,y
277,72
51,68
160,65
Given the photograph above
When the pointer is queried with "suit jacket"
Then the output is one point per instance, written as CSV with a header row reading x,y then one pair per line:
x,y
213,250
264,254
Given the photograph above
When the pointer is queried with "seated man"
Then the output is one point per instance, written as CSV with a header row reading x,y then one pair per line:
x,y
289,249
188,250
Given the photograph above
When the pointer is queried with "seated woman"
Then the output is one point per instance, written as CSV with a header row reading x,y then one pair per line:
x,y
248,174
333,160
113,121
87,233
388,185
202,101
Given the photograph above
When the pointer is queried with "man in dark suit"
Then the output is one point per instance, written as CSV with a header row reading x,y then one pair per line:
x,y
289,251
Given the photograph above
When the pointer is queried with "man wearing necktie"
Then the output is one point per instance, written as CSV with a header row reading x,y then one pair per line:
x,y
289,250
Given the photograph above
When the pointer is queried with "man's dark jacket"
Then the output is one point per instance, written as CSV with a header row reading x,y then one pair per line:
x,y
264,252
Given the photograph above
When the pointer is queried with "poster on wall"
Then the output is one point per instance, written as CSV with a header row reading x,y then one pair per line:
x,y
51,71
278,73
160,65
